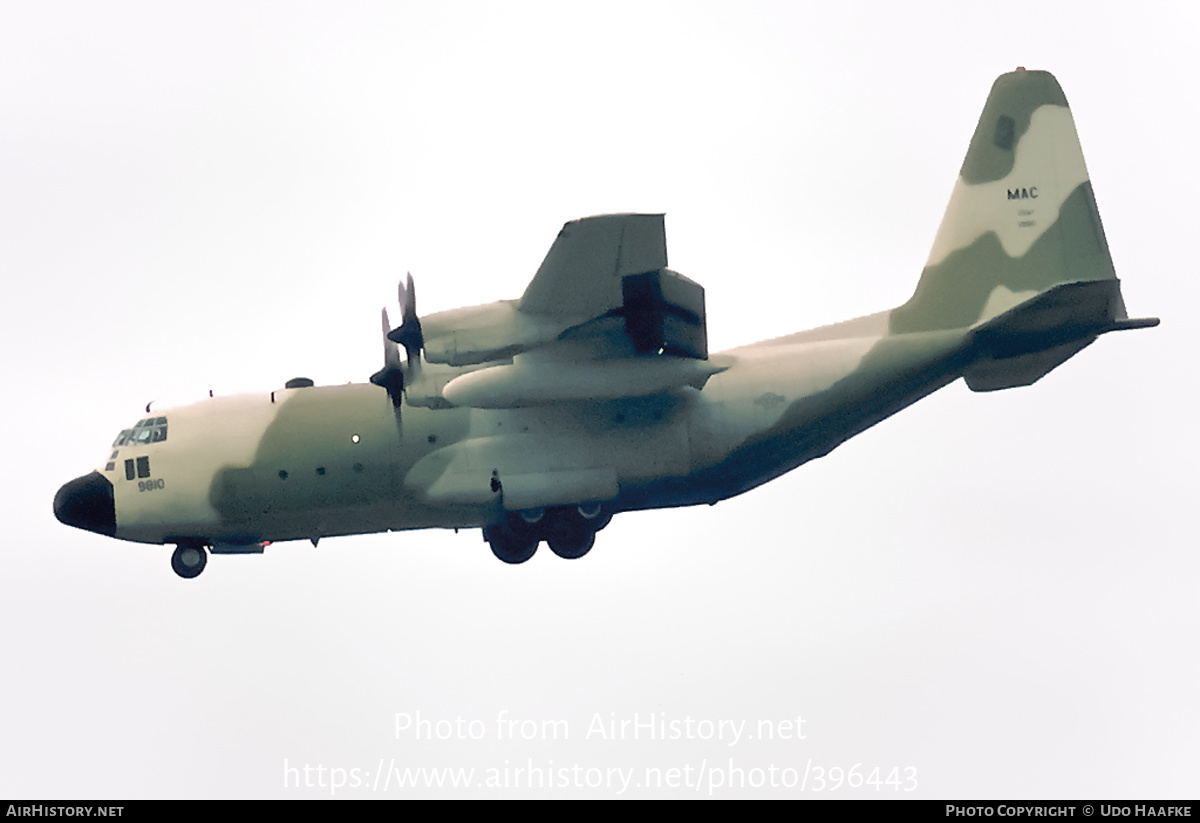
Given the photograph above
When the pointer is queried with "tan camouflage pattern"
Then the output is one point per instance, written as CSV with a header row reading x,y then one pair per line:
x,y
551,408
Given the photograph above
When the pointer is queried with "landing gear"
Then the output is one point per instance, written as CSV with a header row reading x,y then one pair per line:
x,y
189,560
569,535
512,545
573,545
595,514
570,531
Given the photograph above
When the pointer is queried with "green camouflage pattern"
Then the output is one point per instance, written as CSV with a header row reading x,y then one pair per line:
x,y
595,394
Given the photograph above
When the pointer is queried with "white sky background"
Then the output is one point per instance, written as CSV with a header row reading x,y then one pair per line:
x,y
995,590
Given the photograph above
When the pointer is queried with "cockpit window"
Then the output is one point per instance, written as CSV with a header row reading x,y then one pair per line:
x,y
150,430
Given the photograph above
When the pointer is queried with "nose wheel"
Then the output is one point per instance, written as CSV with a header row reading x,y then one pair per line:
x,y
188,561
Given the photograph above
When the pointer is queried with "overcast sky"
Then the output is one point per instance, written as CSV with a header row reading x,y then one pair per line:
x,y
985,596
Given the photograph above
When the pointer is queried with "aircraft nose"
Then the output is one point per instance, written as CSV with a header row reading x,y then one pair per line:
x,y
87,503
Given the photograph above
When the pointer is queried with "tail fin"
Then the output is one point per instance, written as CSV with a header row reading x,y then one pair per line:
x,y
1020,257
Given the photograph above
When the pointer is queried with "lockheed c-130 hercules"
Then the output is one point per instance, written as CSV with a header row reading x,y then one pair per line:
x,y
538,419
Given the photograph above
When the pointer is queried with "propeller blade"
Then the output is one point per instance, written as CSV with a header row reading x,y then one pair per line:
x,y
408,333
391,376
391,355
408,298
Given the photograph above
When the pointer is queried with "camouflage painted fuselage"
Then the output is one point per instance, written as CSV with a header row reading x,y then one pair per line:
x,y
320,461
329,460
596,387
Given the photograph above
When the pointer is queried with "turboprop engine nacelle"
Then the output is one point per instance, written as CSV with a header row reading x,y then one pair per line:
x,y
479,334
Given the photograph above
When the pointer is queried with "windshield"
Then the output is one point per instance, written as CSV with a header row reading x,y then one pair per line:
x,y
150,430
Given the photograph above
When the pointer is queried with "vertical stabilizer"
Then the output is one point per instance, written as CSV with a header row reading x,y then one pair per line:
x,y
1021,219
1020,256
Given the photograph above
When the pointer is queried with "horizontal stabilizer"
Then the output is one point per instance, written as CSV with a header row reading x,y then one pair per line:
x,y
1022,345
993,374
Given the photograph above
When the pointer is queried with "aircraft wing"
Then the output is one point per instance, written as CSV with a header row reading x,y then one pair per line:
x,y
603,309
584,269
615,266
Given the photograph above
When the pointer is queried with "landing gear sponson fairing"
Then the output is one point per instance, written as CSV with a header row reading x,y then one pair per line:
x,y
540,418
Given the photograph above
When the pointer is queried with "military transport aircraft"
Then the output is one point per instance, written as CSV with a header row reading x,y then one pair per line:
x,y
538,419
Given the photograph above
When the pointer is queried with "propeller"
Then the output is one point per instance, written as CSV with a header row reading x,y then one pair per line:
x,y
408,333
395,376
391,376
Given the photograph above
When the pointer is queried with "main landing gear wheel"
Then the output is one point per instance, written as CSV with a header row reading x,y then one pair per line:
x,y
570,531
189,561
569,535
510,545
572,546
